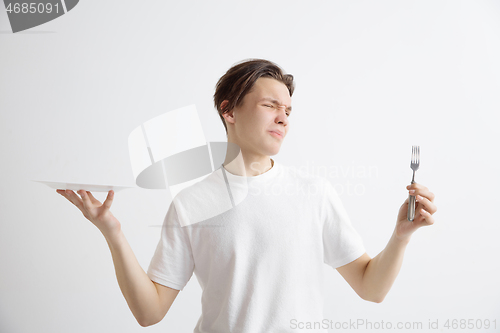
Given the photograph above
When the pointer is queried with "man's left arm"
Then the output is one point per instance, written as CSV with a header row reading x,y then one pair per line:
x,y
371,278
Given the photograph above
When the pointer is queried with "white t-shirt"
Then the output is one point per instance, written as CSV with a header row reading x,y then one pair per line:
x,y
260,260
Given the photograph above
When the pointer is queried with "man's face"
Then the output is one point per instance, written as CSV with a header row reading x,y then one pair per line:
x,y
264,109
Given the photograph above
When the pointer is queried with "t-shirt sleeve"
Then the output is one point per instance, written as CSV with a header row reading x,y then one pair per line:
x,y
172,264
341,242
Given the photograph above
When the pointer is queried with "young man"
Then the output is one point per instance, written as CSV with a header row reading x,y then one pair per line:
x,y
259,260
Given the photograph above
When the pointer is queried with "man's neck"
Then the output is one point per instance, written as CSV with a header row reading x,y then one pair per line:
x,y
245,166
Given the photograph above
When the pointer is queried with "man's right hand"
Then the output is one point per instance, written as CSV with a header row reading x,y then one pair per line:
x,y
97,213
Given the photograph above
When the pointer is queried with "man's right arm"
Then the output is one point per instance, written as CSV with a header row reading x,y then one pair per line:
x,y
148,301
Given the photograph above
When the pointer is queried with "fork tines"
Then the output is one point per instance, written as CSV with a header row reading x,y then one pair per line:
x,y
415,157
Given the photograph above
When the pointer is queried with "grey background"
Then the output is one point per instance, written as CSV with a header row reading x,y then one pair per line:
x,y
372,79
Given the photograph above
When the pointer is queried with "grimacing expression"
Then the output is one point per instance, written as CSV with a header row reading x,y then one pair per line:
x,y
264,109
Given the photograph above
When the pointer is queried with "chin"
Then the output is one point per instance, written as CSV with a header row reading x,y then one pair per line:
x,y
273,151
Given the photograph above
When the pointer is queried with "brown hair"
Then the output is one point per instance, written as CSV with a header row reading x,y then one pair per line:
x,y
239,80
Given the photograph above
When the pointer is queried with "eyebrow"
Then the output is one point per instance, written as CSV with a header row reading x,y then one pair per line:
x,y
275,102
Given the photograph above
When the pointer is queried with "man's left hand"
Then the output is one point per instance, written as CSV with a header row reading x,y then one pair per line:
x,y
424,208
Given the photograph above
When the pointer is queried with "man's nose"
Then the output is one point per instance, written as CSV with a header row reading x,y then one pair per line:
x,y
285,118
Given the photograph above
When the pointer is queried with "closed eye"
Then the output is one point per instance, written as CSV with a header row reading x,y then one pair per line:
x,y
288,114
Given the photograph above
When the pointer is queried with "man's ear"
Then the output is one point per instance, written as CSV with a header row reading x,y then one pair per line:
x,y
228,116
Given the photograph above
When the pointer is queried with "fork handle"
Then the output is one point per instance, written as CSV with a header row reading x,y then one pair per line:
x,y
411,207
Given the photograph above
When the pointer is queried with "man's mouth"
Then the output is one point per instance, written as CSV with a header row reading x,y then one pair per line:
x,y
276,134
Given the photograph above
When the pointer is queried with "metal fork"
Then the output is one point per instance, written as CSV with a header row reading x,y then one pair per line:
x,y
415,163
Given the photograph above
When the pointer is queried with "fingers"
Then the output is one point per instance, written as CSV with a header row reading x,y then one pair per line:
x,y
425,205
109,199
92,199
428,205
72,197
421,190
85,198
425,218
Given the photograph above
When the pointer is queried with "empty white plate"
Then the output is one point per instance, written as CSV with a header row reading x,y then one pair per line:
x,y
85,187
